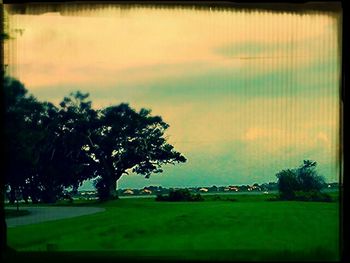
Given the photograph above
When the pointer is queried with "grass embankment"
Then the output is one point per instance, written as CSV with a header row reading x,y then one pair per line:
x,y
248,228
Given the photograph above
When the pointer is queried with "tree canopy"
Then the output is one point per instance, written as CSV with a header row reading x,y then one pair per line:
x,y
51,148
302,179
124,140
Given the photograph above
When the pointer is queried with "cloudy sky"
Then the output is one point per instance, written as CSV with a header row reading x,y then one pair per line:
x,y
246,94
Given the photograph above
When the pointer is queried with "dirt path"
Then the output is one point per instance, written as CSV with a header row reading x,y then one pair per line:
x,y
42,214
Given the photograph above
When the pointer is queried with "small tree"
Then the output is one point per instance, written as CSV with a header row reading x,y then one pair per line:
x,y
308,178
293,182
287,184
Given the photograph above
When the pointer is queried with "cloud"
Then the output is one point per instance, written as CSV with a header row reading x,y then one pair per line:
x,y
132,48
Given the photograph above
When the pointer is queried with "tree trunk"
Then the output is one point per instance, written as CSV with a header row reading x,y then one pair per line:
x,y
33,193
49,196
106,188
112,189
108,184
34,196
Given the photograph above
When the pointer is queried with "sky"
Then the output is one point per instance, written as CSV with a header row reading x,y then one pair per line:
x,y
246,93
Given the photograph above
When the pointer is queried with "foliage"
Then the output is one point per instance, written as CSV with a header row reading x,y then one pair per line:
x,y
19,134
124,140
301,183
52,148
218,197
312,196
179,195
43,143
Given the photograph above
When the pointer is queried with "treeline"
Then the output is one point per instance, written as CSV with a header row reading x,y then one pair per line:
x,y
50,148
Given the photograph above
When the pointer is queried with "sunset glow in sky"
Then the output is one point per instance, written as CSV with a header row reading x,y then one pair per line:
x,y
246,94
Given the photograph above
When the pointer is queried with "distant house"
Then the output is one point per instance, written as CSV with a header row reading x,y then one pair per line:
x,y
146,191
233,188
203,190
128,192
256,188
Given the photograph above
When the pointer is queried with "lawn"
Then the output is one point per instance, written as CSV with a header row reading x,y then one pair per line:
x,y
243,227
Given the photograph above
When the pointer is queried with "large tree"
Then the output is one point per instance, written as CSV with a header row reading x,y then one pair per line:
x,y
43,143
18,134
123,140
53,147
62,160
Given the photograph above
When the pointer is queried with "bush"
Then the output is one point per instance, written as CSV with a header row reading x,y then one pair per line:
x,y
274,198
179,195
312,196
66,196
222,198
302,183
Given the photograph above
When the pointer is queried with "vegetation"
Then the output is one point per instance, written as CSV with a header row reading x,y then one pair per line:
x,y
312,196
302,183
179,195
53,148
248,229
126,139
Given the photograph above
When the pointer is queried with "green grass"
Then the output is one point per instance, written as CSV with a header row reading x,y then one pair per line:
x,y
249,228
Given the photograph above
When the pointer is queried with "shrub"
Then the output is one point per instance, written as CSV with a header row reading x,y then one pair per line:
x,y
66,196
302,183
221,198
161,197
197,197
312,196
179,195
288,184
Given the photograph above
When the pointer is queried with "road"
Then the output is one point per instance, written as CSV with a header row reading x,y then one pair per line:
x,y
43,214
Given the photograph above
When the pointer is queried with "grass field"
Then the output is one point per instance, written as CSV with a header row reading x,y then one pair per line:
x,y
246,228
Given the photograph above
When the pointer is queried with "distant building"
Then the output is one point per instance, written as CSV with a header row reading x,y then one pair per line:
x,y
256,188
233,188
128,192
146,191
203,190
